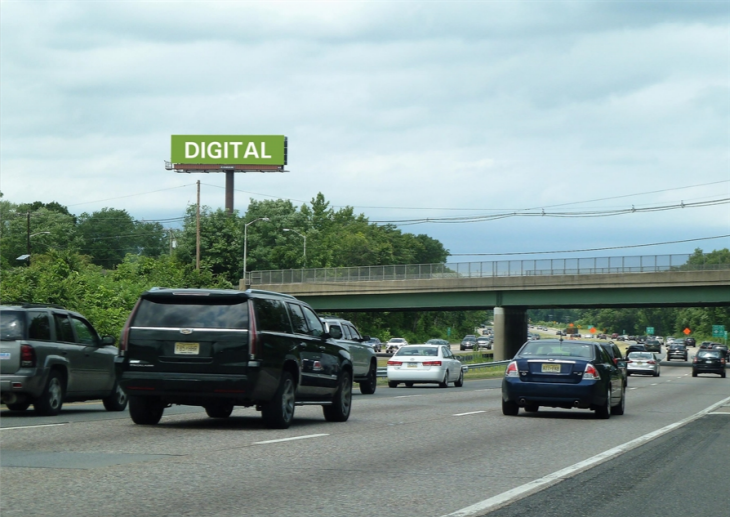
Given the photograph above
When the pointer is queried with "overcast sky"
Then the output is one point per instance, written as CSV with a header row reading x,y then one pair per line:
x,y
403,110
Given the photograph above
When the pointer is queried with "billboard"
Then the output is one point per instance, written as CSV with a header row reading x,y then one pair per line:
x,y
229,149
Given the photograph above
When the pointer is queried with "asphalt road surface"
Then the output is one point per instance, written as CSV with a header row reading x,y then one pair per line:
x,y
404,452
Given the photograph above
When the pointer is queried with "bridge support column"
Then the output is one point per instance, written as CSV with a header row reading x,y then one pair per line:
x,y
510,331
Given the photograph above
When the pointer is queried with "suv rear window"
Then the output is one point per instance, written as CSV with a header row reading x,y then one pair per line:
x,y
11,325
174,314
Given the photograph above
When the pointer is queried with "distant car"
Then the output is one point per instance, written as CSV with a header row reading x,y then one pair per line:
x,y
635,348
484,342
690,341
394,344
709,361
677,351
376,343
614,335
438,342
642,362
434,364
706,345
564,374
653,346
469,343
721,348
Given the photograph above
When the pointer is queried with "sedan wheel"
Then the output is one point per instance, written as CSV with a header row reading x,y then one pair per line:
x,y
460,381
445,383
604,412
619,410
510,408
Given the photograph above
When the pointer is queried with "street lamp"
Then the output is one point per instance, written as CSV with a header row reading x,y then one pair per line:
x,y
245,244
305,243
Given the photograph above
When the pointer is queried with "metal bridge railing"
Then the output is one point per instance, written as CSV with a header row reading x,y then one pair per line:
x,y
383,370
498,268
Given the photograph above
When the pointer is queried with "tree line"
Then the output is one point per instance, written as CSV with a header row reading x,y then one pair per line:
x,y
98,263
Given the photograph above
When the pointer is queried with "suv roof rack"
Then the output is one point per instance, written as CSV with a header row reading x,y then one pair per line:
x,y
269,293
30,305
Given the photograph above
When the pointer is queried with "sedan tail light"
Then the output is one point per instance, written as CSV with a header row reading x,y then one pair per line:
x,y
591,373
432,363
511,370
651,361
27,356
395,363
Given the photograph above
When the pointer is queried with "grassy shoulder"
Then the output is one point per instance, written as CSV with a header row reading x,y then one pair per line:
x,y
488,372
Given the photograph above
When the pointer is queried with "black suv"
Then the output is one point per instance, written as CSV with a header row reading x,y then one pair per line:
x,y
224,348
50,355
677,351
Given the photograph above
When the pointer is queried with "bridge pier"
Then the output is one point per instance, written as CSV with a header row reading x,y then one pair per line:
x,y
510,331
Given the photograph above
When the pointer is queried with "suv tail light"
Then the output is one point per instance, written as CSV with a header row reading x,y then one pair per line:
x,y
252,338
27,356
432,363
511,370
591,373
124,339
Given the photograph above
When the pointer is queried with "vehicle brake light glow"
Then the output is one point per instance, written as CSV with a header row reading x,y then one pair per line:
x,y
27,356
511,370
651,361
591,373
395,363
432,363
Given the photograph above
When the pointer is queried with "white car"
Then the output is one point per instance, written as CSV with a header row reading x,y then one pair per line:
x,y
430,364
394,344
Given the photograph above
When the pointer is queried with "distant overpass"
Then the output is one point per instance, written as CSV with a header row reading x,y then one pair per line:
x,y
508,287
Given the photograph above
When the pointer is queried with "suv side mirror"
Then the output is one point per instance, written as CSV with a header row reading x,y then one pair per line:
x,y
108,340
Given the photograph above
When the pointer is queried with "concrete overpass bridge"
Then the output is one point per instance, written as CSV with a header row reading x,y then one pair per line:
x,y
507,287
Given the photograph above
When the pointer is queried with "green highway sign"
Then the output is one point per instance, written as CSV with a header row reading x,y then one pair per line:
x,y
229,149
718,331
649,331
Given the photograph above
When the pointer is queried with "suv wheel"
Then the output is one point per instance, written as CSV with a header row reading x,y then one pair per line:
x,y
117,399
368,386
146,410
279,412
51,400
339,410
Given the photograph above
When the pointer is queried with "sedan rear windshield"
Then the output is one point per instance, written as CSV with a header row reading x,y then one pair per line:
x,y
419,351
189,314
535,348
641,355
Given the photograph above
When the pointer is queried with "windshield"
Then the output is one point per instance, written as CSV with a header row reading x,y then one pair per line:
x,y
536,348
708,353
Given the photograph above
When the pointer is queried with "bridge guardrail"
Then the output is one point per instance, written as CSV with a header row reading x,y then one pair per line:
x,y
383,370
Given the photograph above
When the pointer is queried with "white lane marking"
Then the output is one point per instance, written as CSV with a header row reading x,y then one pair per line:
x,y
719,413
31,426
654,384
291,439
406,396
537,485
469,413
633,388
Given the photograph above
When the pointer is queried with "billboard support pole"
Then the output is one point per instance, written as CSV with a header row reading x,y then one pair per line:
x,y
229,192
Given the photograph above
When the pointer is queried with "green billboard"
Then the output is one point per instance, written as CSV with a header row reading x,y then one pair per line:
x,y
229,149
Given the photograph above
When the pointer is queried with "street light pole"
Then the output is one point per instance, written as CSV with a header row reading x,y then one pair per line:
x,y
245,244
305,243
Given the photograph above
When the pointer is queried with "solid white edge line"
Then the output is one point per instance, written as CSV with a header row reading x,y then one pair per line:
x,y
406,396
31,426
469,413
291,439
537,485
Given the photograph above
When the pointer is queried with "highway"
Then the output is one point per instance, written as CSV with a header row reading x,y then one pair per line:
x,y
404,452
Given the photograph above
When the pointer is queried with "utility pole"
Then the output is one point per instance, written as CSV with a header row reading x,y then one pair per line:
x,y
28,241
197,232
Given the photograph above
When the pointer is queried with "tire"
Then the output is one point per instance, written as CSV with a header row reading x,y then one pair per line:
x,y
510,408
445,383
339,411
722,375
219,411
460,381
146,410
532,408
18,406
368,386
392,384
51,400
694,374
604,412
117,399
279,412
621,407
409,384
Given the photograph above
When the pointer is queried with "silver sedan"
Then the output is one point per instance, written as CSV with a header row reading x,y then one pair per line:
x,y
642,362
433,364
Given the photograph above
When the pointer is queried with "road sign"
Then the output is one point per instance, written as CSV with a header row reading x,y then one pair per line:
x,y
718,330
592,330
649,331
687,331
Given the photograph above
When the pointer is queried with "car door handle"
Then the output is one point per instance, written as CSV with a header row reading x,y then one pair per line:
x,y
302,345
323,348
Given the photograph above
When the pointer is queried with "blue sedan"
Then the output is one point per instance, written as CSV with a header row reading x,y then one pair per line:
x,y
563,374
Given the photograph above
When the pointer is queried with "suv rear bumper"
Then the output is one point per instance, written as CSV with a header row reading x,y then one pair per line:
x,y
31,385
189,389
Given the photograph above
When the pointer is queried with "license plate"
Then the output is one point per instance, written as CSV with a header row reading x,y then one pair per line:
x,y
187,348
550,368
4,356
412,365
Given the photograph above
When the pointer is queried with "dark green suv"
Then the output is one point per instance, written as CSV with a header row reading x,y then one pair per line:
x,y
224,348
